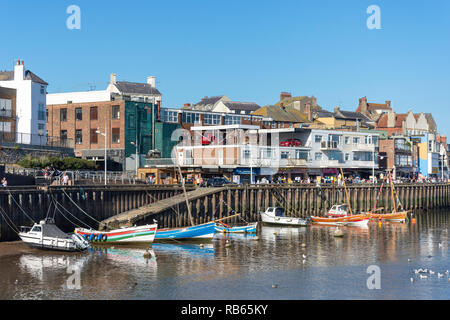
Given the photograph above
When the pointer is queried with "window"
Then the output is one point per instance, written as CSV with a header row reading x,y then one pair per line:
x,y
300,154
36,229
190,117
232,119
5,108
42,90
115,112
78,114
356,140
375,141
94,113
41,129
63,135
94,136
213,119
318,156
41,112
247,154
318,139
5,126
63,114
78,136
284,154
347,140
169,116
347,156
115,136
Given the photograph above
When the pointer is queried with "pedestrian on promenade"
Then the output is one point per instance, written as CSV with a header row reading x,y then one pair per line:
x,y
4,182
65,179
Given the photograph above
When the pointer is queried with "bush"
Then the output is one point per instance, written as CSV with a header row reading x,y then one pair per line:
x,y
59,164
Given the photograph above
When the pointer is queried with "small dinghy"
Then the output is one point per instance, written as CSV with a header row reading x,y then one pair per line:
x,y
224,228
132,235
46,235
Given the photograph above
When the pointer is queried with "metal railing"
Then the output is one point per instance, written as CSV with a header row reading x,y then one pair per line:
x,y
35,140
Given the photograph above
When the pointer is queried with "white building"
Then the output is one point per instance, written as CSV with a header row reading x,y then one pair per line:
x,y
30,103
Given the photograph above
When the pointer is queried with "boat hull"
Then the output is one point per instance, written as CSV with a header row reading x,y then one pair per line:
x,y
47,243
287,221
393,217
250,228
133,235
354,220
200,232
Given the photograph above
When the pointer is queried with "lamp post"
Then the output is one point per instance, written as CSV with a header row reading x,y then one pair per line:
x,y
106,139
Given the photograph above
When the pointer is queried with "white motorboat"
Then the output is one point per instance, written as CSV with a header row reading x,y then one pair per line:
x,y
275,215
46,235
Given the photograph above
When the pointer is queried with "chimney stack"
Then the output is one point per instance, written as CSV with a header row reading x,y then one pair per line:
x,y
19,71
113,78
151,81
284,95
187,105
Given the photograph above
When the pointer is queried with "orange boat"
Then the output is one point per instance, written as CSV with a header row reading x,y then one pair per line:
x,y
394,216
350,220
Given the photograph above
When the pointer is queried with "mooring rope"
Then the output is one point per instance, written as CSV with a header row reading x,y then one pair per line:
x,y
3,211
19,206
54,213
58,204
79,207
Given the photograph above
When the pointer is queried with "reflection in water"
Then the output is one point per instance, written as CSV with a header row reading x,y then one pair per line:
x,y
305,262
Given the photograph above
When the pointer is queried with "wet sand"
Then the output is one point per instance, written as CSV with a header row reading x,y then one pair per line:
x,y
8,249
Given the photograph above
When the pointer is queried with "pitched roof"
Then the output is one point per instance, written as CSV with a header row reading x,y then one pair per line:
x,y
246,106
209,100
136,88
399,118
9,75
352,115
289,100
277,113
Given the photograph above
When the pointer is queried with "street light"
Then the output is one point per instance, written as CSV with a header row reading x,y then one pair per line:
x,y
106,139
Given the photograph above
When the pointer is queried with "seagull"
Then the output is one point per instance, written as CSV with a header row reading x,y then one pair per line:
x,y
412,280
439,244
432,272
440,275
304,256
446,272
422,276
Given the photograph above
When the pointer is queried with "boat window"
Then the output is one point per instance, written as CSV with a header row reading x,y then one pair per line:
x,y
36,229
279,212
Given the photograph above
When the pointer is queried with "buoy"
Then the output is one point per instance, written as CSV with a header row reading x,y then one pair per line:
x,y
303,244
147,254
201,245
413,220
338,232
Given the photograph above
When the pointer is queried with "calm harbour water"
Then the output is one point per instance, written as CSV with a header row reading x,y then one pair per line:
x,y
334,268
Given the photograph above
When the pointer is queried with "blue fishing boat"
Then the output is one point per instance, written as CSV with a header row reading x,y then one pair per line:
x,y
224,228
198,232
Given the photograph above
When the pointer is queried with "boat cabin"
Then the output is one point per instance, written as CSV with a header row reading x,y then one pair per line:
x,y
338,210
275,211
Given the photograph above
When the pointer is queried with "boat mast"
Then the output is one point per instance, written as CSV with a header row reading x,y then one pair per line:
x,y
346,193
392,192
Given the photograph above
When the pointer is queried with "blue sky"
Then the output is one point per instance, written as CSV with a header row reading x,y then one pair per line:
x,y
248,50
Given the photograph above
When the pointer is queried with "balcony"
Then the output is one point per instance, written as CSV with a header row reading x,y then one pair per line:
x,y
364,147
329,145
5,113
